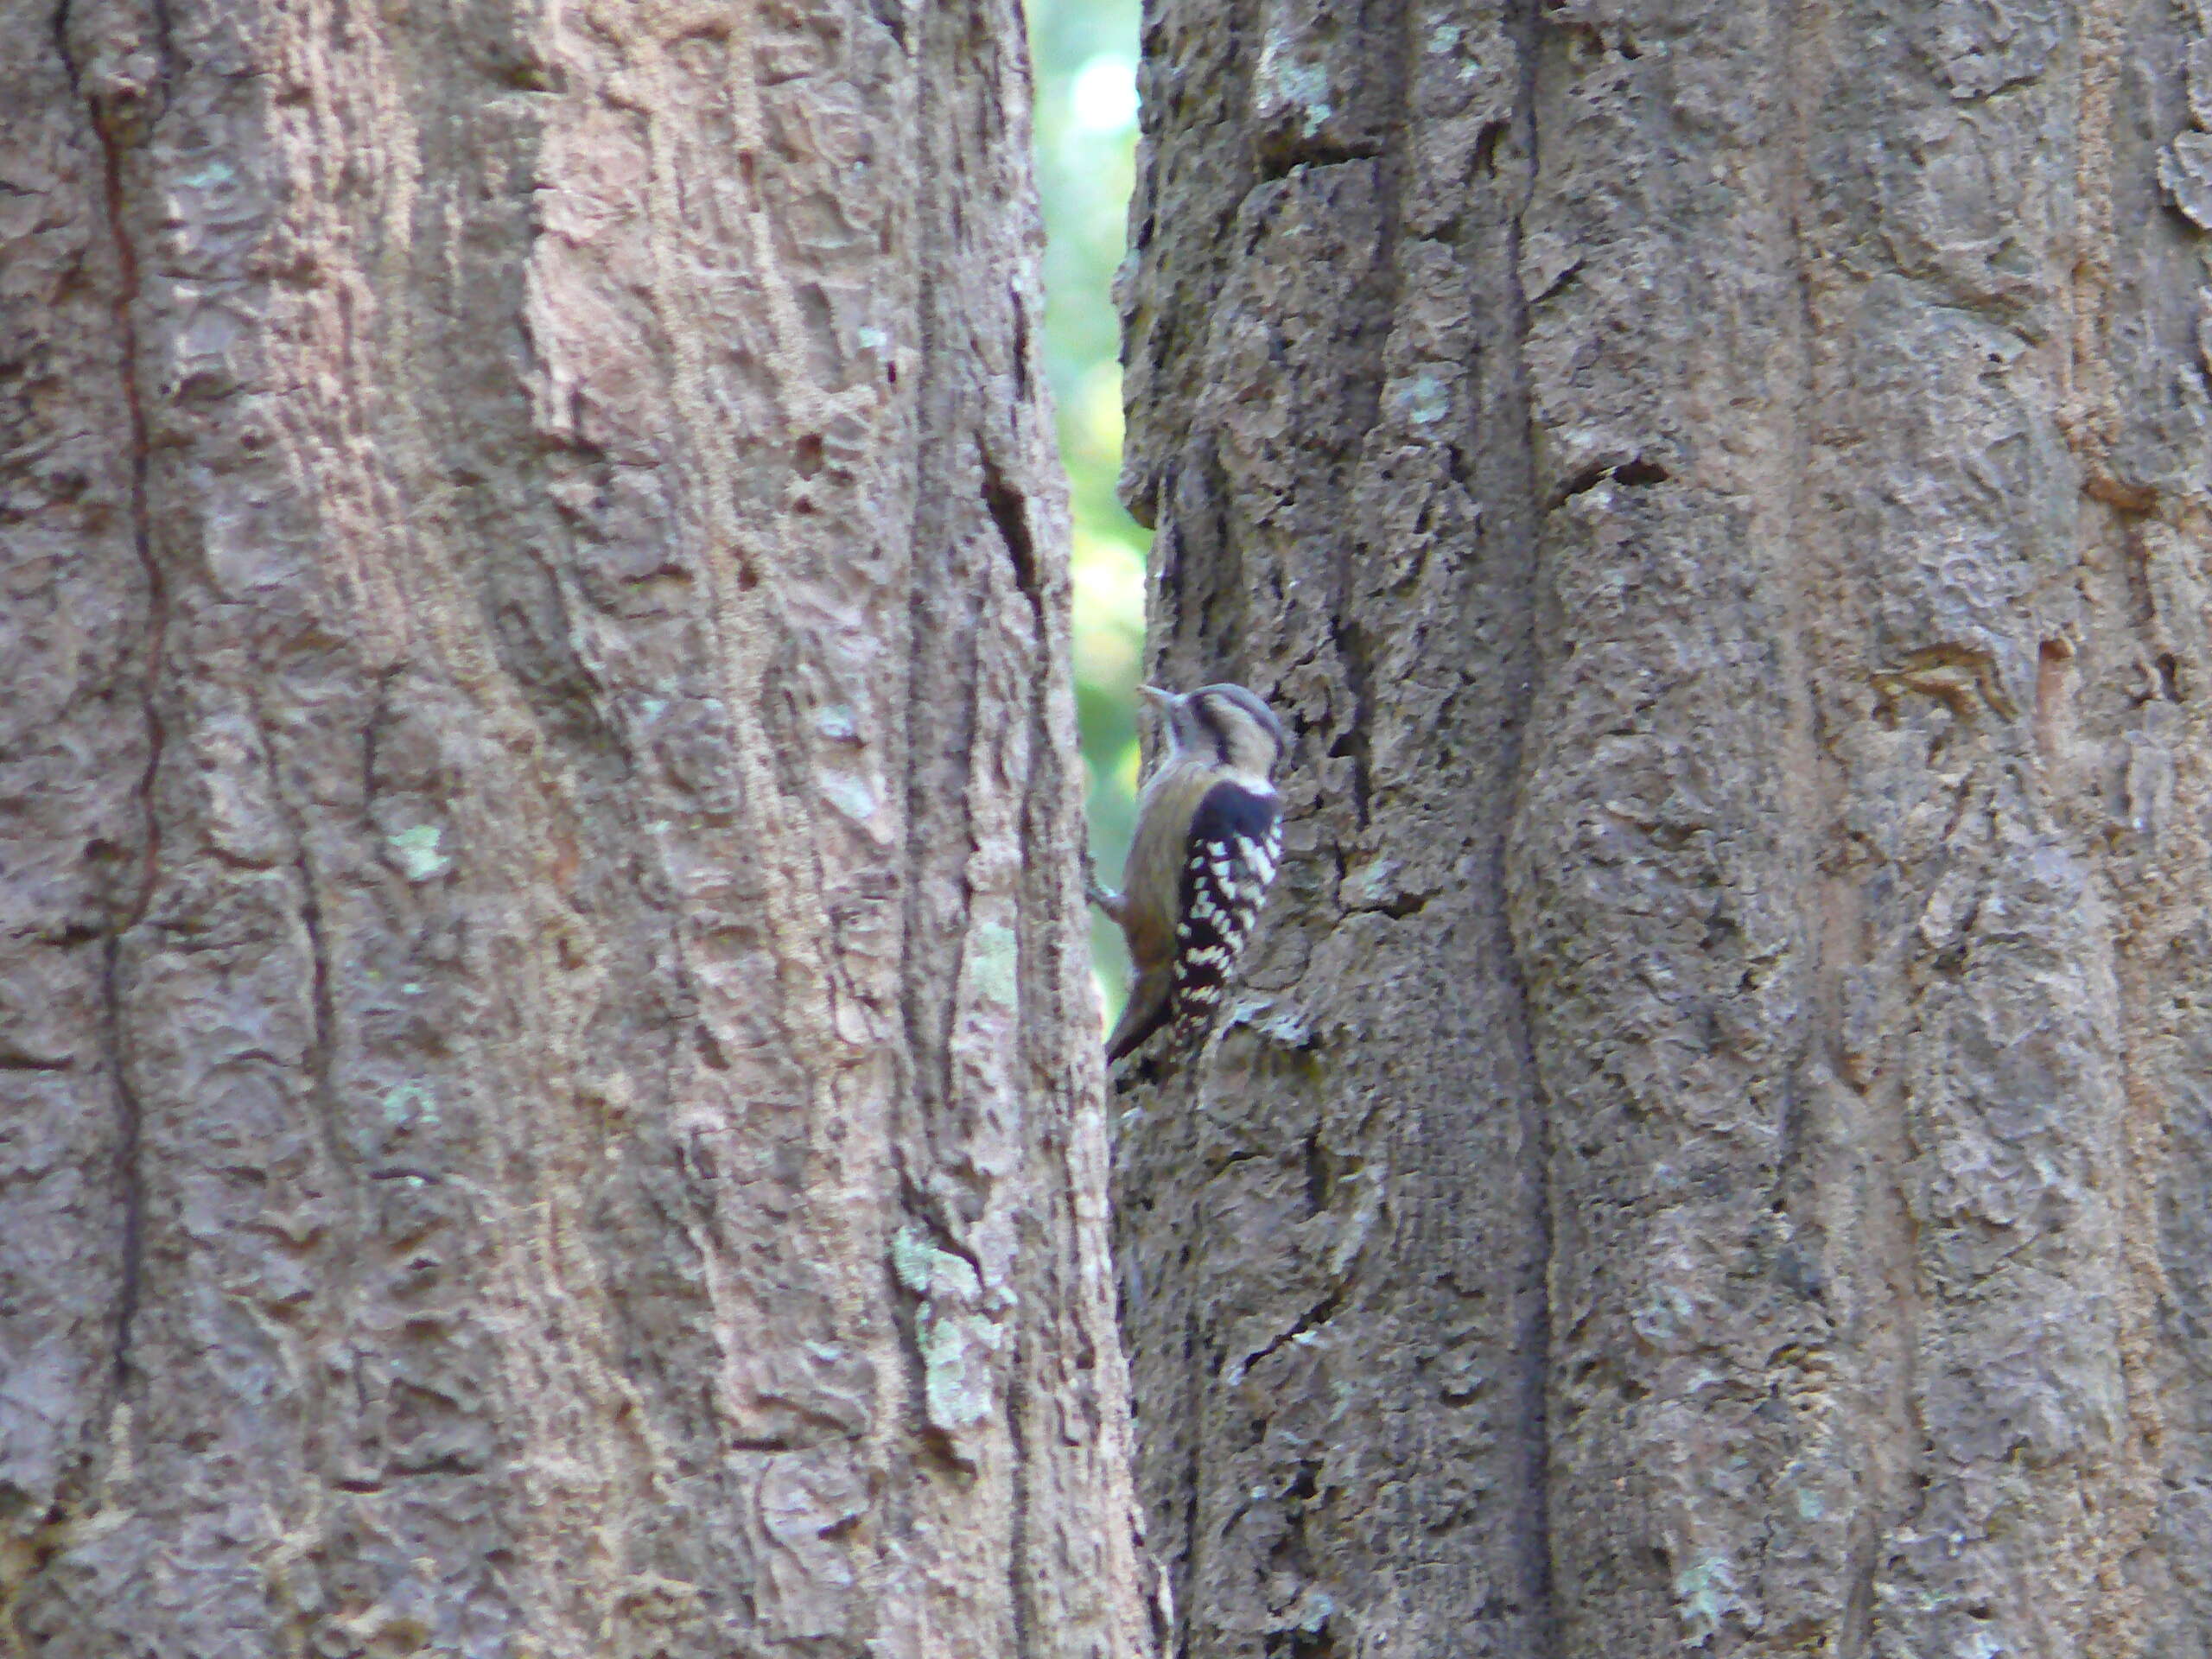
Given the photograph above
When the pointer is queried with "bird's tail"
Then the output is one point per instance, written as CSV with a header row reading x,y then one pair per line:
x,y
1145,1011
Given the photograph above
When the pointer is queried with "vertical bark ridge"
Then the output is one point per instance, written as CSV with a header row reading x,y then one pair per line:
x,y
82,632
1533,1330
2145,93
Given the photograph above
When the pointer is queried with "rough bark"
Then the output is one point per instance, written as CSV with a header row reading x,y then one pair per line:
x,y
549,1067
1715,1151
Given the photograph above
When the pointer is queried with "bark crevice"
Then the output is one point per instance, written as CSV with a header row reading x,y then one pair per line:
x,y
110,119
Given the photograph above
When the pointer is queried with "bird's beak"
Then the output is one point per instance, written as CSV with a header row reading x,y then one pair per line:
x,y
1163,698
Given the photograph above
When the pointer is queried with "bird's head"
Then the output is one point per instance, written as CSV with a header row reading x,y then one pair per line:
x,y
1224,725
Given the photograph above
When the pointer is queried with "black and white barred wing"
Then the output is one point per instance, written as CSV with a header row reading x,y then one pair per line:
x,y
1235,838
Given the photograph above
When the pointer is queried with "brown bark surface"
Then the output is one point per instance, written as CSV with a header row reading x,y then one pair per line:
x,y
547,1094
1715,1151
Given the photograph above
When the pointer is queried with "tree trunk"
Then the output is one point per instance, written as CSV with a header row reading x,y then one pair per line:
x,y
549,1063
1713,1150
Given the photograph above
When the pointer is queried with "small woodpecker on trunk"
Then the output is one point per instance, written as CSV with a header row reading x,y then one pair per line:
x,y
1207,836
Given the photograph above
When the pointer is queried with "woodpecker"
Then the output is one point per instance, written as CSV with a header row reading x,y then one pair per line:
x,y
1209,832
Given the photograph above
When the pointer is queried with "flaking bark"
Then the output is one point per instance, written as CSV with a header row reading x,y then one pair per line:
x,y
549,1074
1712,1155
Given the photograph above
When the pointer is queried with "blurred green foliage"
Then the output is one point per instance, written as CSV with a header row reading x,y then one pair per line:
x,y
1086,56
